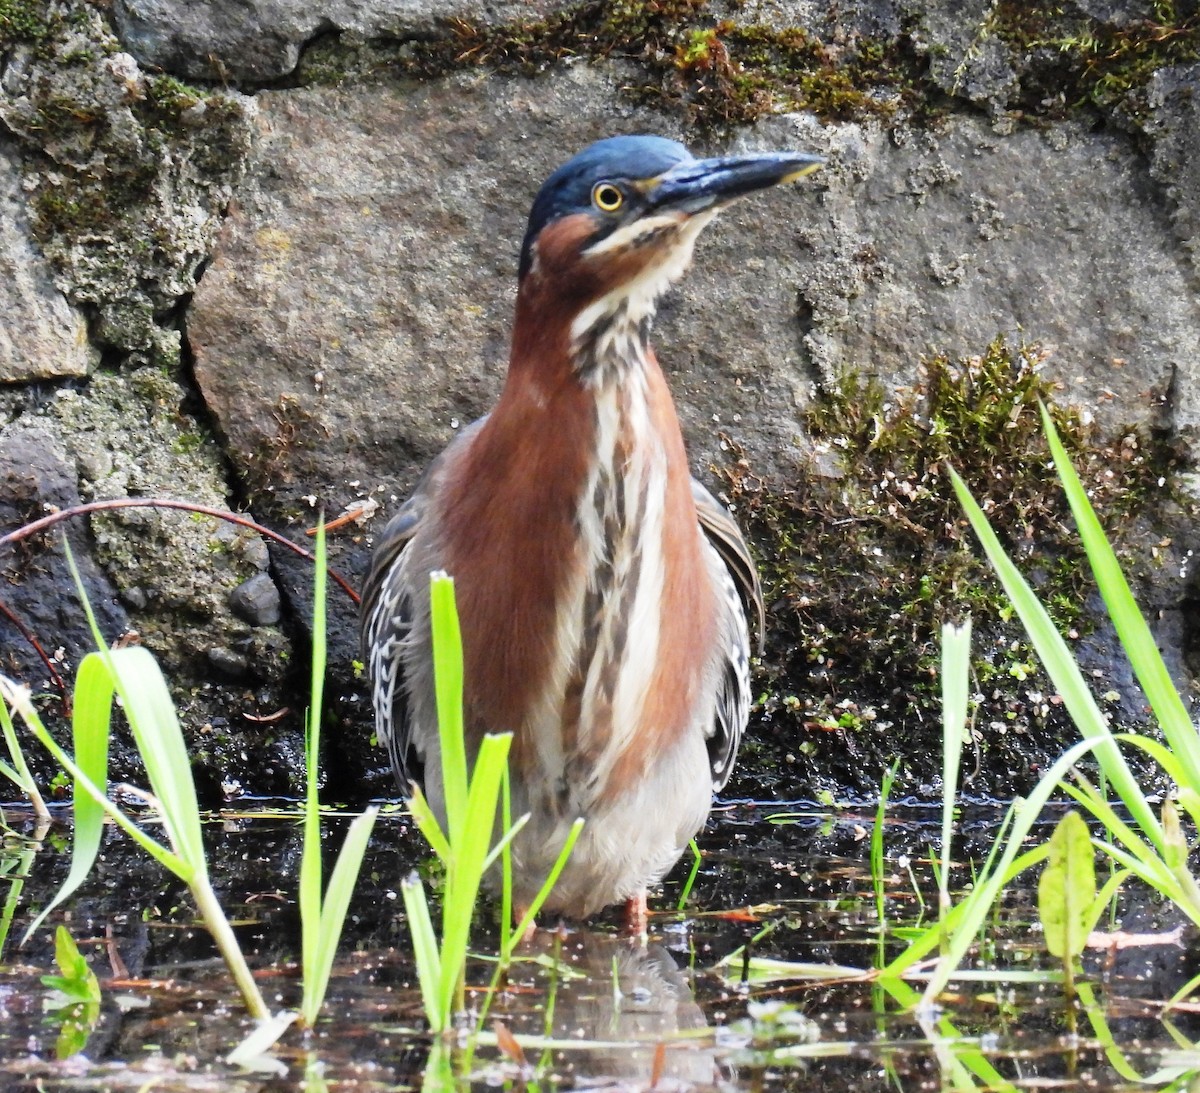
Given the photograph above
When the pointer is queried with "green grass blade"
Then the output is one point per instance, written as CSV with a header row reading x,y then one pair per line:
x,y
423,817
506,840
18,698
90,727
693,873
1061,667
151,714
971,1058
448,678
425,949
1135,635
5,769
506,868
470,846
333,914
965,920
19,772
877,847
535,905
956,678
311,867
95,685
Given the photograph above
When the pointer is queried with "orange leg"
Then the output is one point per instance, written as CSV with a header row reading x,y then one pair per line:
x,y
518,913
637,917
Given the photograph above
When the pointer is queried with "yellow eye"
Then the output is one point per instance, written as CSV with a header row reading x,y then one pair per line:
x,y
606,197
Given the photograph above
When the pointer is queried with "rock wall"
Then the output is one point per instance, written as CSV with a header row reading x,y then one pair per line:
x,y
262,256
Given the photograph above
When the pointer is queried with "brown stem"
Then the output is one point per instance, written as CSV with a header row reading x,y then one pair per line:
x,y
45,522
29,636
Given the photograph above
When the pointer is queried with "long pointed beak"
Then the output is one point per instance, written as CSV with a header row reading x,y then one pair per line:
x,y
703,183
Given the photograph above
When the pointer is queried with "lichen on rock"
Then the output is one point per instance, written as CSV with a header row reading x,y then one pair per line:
x,y
128,173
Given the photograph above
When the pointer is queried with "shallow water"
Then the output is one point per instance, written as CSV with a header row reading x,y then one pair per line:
x,y
588,1008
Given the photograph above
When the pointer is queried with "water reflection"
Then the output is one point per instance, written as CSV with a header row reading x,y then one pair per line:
x,y
626,1003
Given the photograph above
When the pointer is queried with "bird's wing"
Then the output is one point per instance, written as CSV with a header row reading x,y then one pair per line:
x,y
743,603
386,616
726,537
392,592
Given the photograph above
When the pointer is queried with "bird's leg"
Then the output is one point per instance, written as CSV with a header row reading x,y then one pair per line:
x,y
637,917
518,913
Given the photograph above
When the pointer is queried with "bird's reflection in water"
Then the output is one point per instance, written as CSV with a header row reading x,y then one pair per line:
x,y
625,1002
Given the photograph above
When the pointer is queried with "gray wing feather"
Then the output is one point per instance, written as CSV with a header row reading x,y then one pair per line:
x,y
386,618
726,537
742,601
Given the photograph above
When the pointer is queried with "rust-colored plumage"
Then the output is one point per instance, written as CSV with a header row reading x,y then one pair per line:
x,y
604,595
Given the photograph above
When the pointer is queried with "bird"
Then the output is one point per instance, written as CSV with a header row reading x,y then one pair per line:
x,y
605,596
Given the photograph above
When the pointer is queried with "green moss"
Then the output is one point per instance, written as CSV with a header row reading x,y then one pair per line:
x,y
743,70
1079,60
721,72
24,21
724,71
866,553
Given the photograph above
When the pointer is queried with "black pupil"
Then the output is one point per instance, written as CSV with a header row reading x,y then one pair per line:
x,y
609,197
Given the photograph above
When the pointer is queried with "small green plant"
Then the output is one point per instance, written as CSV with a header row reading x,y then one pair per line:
x,y
132,675
76,980
322,919
75,1004
474,798
1152,849
1067,903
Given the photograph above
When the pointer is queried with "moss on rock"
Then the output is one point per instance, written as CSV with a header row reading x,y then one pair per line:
x,y
866,553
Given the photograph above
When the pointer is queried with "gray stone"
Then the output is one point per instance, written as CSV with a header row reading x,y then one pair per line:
x,y
173,571
42,336
936,245
1172,122
966,58
256,601
262,39
1120,12
227,662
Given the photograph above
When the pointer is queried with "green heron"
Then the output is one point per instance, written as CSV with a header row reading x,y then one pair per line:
x,y
604,595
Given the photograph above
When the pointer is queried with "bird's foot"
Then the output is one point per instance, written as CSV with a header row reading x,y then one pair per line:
x,y
519,913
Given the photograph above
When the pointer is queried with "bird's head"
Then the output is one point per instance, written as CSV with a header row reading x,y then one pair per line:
x,y
613,227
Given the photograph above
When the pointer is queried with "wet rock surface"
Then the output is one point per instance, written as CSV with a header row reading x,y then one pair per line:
x,y
288,298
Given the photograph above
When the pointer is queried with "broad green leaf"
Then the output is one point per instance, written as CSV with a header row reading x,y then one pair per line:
x,y
319,966
1067,888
